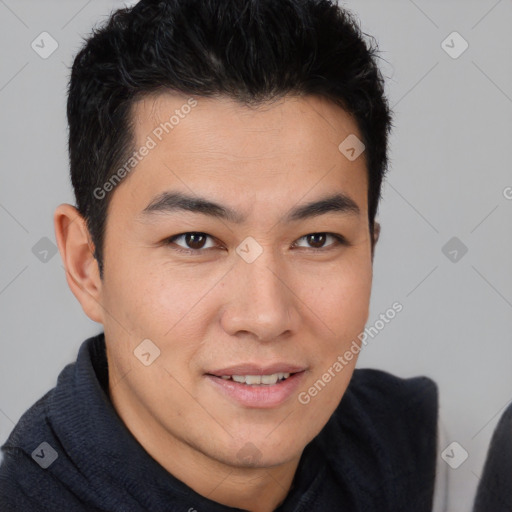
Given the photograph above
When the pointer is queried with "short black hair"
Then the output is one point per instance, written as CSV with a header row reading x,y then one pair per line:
x,y
252,51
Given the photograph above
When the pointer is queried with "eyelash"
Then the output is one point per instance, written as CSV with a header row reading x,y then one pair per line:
x,y
339,241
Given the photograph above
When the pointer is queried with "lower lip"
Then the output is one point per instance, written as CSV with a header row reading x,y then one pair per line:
x,y
262,396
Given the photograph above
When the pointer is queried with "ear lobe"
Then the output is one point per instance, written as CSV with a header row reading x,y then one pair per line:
x,y
375,238
76,250
376,233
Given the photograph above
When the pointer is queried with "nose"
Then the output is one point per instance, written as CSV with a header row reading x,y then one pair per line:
x,y
261,301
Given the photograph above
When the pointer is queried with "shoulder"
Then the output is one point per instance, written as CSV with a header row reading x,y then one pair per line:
x,y
23,473
494,488
383,394
27,472
383,437
399,414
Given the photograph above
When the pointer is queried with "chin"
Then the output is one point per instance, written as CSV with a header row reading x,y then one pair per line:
x,y
262,453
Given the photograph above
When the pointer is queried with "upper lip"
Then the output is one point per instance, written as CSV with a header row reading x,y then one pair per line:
x,y
255,369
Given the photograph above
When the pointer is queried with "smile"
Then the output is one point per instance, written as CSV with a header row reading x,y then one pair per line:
x,y
258,380
257,389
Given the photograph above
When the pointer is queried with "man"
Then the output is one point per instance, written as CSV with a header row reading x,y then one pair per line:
x,y
227,160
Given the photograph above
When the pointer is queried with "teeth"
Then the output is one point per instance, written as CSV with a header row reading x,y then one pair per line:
x,y
268,379
252,380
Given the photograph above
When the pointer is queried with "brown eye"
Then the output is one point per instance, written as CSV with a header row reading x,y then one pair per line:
x,y
192,241
318,241
195,240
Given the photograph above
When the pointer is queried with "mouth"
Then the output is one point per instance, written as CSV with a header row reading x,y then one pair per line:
x,y
257,387
258,380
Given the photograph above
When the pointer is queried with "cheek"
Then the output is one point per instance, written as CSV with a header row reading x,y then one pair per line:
x,y
159,303
341,296
349,306
165,306
140,290
341,308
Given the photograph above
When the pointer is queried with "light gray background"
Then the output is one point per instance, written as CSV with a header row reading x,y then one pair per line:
x,y
450,169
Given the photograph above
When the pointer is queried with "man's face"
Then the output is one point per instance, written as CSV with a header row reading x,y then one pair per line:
x,y
250,293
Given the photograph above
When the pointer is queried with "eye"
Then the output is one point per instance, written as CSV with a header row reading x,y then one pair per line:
x,y
197,242
317,241
190,242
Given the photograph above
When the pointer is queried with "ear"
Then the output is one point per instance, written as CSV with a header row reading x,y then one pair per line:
x,y
375,238
76,250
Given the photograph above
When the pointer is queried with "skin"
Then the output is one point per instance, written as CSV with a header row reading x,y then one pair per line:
x,y
209,310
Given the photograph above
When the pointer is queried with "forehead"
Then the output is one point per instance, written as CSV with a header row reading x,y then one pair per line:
x,y
221,147
221,120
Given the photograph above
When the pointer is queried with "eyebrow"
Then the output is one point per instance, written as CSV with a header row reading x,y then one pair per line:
x,y
170,202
